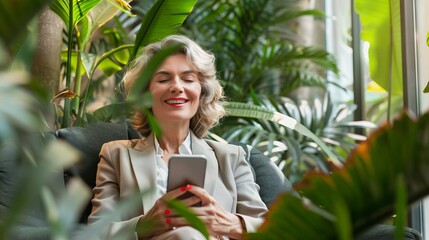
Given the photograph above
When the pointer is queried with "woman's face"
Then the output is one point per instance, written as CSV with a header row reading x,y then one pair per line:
x,y
176,90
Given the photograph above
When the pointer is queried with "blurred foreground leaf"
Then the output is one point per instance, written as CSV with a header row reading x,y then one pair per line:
x,y
15,15
367,186
187,214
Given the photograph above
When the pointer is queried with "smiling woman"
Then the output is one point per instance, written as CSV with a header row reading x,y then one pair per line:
x,y
201,64
175,92
186,103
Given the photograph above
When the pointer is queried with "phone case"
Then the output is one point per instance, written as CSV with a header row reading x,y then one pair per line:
x,y
186,169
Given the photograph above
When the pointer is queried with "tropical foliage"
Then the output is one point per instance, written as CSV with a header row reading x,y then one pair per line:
x,y
291,147
381,177
255,47
255,55
257,52
88,59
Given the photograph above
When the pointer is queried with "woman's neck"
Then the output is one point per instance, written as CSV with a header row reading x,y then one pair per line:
x,y
171,139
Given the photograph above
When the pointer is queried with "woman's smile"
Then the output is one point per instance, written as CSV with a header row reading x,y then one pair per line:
x,y
176,102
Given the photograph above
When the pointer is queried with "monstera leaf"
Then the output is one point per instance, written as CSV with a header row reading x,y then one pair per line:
x,y
390,167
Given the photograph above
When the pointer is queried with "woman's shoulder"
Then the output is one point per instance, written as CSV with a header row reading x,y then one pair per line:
x,y
118,144
224,147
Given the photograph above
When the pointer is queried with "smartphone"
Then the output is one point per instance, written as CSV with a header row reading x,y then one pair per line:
x,y
184,170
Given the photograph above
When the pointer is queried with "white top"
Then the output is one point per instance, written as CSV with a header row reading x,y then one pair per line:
x,y
161,167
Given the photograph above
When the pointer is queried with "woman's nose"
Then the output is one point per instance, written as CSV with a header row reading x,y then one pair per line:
x,y
176,86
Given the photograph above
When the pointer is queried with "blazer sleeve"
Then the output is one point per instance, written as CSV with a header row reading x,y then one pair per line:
x,y
107,195
249,203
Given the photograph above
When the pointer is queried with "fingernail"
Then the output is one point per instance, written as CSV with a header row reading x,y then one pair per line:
x,y
168,220
189,186
167,211
183,189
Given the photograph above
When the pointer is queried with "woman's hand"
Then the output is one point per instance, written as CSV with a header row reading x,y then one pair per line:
x,y
159,215
218,221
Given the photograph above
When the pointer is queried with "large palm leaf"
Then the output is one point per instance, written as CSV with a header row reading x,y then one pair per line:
x,y
360,194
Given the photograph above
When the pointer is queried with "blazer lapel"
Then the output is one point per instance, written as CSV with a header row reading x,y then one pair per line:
x,y
200,147
143,161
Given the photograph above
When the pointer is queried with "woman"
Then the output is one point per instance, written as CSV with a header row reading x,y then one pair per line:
x,y
186,102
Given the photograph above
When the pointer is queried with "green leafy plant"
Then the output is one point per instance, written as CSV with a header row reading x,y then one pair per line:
x,y
162,19
255,48
289,142
257,51
382,176
34,165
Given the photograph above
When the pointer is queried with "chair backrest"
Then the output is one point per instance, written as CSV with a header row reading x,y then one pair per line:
x,y
90,139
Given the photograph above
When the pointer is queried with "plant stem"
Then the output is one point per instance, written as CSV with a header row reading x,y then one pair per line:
x,y
77,83
66,116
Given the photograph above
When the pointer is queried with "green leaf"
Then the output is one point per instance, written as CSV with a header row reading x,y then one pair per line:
x,y
15,15
111,112
153,123
109,67
189,216
25,55
73,61
253,111
427,39
344,225
140,86
18,107
80,9
401,207
381,27
163,19
34,175
426,90
100,15
88,60
371,185
124,206
113,60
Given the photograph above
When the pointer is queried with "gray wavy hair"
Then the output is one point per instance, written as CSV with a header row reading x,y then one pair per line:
x,y
210,108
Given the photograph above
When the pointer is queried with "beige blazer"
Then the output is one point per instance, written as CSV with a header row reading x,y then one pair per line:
x,y
129,166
